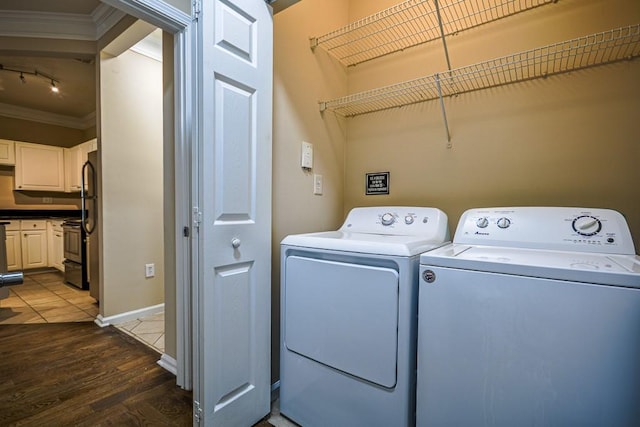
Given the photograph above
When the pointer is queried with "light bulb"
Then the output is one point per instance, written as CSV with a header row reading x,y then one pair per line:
x,y
54,88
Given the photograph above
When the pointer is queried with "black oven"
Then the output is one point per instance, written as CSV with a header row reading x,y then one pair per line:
x,y
75,254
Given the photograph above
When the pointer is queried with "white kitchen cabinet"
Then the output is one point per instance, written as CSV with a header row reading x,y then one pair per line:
x,y
39,167
74,159
14,251
55,244
7,152
33,238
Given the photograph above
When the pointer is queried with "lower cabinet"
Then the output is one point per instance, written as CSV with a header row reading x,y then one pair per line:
x,y
34,244
55,245
14,251
34,247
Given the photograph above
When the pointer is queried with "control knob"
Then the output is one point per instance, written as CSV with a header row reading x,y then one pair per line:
x,y
587,225
408,219
482,222
504,222
387,219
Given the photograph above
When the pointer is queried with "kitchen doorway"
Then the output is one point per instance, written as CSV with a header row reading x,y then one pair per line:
x,y
61,40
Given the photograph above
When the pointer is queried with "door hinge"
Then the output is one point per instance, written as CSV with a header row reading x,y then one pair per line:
x,y
197,412
196,9
197,217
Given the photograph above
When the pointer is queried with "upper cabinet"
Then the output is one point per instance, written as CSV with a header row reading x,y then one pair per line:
x,y
75,158
7,152
39,167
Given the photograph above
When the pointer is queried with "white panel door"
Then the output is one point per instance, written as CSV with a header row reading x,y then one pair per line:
x,y
232,385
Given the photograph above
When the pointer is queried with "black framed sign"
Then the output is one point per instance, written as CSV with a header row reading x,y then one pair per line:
x,y
377,183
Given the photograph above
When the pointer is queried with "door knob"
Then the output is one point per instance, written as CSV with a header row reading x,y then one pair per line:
x,y
235,242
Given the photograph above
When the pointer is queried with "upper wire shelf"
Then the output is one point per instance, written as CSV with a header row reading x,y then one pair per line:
x,y
595,49
411,23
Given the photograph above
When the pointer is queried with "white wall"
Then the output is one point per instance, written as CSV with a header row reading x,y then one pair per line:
x,y
131,148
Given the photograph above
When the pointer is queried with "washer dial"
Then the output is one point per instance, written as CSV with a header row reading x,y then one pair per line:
x,y
387,219
408,219
504,222
482,222
587,225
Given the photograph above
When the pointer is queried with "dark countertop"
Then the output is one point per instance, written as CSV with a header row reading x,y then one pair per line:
x,y
39,214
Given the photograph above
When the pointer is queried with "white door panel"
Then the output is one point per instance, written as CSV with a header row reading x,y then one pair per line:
x,y
234,180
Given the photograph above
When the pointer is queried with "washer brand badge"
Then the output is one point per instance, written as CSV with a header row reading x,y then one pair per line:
x,y
429,276
481,234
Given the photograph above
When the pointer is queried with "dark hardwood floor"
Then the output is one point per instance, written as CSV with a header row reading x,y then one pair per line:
x,y
79,374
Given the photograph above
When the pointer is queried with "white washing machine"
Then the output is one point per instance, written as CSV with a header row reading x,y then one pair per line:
x,y
349,317
531,317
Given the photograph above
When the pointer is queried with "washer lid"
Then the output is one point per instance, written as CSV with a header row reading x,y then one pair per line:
x,y
617,270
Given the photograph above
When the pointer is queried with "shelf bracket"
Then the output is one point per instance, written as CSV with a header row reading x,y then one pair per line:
x,y
313,42
444,40
444,112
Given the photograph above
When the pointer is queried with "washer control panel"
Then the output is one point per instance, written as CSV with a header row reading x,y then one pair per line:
x,y
574,229
397,220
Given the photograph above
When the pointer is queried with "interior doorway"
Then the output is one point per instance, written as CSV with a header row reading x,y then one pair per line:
x,y
173,22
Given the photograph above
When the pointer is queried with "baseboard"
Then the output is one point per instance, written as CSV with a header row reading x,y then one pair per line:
x,y
129,315
168,363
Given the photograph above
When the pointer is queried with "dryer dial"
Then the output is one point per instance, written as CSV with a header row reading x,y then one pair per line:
x,y
387,219
408,219
587,225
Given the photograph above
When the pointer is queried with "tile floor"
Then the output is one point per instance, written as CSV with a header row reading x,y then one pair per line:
x,y
149,330
45,298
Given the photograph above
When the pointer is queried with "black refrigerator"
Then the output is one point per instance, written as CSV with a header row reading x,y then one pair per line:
x,y
90,221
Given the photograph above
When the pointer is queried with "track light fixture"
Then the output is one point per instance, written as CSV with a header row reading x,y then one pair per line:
x,y
35,73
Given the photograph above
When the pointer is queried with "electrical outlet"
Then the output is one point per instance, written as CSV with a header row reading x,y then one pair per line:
x,y
149,270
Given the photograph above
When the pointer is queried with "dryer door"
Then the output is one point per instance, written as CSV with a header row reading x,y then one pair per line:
x,y
344,316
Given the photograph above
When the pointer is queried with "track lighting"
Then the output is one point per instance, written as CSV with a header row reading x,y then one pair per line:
x,y
54,83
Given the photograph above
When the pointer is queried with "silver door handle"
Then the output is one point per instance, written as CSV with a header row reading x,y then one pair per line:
x,y
235,242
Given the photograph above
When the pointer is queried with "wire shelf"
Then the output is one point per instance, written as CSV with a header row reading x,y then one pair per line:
x,y
411,23
595,49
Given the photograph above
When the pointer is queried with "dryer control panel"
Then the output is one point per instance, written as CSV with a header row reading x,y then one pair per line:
x,y
560,228
398,221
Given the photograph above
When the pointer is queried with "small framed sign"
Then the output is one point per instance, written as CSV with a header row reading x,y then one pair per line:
x,y
377,183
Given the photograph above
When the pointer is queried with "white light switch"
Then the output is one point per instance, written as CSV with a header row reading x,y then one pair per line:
x,y
317,184
307,155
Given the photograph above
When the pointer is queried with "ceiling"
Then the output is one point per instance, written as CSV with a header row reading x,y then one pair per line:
x,y
28,25
30,30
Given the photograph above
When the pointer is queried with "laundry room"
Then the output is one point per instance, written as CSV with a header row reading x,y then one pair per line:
x,y
566,136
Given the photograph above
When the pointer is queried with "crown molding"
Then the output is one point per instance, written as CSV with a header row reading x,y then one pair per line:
x,y
22,113
66,26
105,17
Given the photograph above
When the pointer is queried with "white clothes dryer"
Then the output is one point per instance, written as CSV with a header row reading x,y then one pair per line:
x,y
349,317
531,317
